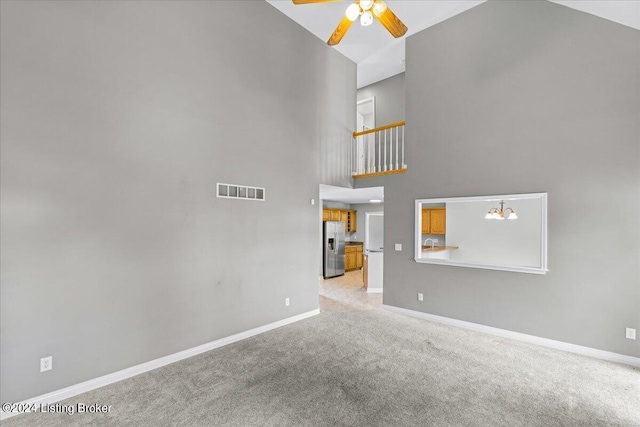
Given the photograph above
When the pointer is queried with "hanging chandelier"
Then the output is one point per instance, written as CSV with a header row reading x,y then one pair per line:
x,y
495,213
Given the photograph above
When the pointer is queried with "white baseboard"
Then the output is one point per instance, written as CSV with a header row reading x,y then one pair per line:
x,y
74,390
374,290
545,342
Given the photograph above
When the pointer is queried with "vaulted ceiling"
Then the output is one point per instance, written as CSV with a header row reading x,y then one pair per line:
x,y
379,55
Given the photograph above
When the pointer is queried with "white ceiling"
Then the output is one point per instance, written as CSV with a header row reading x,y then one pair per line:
x,y
380,56
350,195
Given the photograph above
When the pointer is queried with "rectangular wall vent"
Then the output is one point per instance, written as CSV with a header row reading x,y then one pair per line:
x,y
243,192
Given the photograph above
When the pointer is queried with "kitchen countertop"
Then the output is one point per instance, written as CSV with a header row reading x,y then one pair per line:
x,y
438,248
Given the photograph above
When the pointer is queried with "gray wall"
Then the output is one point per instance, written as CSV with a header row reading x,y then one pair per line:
x,y
118,118
390,100
515,97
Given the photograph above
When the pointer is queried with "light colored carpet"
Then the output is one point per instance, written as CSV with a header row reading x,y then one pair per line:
x,y
369,368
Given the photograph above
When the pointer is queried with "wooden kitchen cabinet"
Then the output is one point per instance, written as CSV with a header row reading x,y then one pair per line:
x,y
353,257
438,221
349,217
426,221
434,221
331,214
350,258
352,219
344,217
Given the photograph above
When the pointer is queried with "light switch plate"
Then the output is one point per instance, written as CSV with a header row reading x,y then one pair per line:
x,y
398,247
631,333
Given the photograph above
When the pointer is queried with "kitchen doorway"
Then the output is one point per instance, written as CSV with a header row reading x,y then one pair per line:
x,y
347,291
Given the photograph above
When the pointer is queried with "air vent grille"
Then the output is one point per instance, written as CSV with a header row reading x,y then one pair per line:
x,y
242,192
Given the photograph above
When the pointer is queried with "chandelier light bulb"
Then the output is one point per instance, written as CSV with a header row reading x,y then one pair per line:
x,y
353,11
366,19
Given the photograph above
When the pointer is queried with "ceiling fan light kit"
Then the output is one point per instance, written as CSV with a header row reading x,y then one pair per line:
x,y
366,10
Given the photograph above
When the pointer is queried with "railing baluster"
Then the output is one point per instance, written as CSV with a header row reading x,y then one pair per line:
x,y
373,152
379,138
356,159
369,154
396,148
359,163
403,164
370,163
353,163
385,149
365,152
390,149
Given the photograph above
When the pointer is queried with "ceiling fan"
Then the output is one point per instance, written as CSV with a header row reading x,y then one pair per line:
x,y
366,10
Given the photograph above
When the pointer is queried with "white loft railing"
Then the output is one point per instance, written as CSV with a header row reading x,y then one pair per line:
x,y
378,151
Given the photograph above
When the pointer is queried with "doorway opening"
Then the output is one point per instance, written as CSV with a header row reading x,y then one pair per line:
x,y
366,114
365,120
359,212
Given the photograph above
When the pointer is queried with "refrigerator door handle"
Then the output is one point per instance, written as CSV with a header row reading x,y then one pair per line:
x,y
335,247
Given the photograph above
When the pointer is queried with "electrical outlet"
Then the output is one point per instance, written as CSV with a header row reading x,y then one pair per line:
x,y
398,247
313,202
286,302
46,364
631,333
435,240
420,297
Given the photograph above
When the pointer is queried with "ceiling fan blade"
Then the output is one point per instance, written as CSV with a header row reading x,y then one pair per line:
x,y
390,21
340,31
314,1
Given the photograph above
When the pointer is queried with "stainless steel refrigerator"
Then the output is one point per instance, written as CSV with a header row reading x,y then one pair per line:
x,y
333,249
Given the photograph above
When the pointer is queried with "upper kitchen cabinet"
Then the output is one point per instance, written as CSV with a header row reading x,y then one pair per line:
x,y
344,217
331,215
348,217
352,221
434,221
